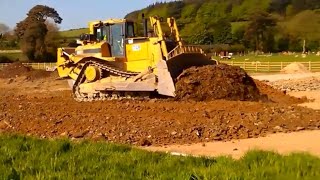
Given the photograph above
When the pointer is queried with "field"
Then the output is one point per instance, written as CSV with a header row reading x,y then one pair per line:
x,y
275,58
12,56
61,138
29,158
73,33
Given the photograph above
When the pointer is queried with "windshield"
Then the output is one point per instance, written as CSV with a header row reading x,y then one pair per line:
x,y
117,39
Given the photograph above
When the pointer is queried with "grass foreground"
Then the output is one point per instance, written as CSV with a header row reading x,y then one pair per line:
x,y
30,158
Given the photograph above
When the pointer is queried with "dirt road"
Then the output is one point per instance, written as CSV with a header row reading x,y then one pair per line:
x,y
305,141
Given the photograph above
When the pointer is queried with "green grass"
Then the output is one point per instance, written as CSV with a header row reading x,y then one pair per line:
x,y
29,158
13,56
274,58
73,33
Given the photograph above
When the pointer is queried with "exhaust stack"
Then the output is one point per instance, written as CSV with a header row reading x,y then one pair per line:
x,y
145,26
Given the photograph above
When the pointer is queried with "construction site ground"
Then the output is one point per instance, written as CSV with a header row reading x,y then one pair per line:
x,y
44,107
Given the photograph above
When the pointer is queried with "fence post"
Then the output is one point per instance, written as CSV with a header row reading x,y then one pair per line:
x,y
281,66
244,65
38,65
268,66
310,66
256,67
232,63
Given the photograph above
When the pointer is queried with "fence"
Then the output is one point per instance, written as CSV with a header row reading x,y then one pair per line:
x,y
248,66
43,66
313,66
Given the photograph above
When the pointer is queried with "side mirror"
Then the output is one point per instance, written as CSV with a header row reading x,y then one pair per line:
x,y
87,37
82,37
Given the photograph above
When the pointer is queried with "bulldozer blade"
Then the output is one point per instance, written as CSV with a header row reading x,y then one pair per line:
x,y
179,63
71,83
165,82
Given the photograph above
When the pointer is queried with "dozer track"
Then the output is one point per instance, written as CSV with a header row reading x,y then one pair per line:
x,y
104,95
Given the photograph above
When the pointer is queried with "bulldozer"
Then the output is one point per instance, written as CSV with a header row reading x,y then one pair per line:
x,y
112,62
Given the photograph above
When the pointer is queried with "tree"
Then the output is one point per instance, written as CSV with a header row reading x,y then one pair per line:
x,y
222,31
259,30
33,31
52,40
202,36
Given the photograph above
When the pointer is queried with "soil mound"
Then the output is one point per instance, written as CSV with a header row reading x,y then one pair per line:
x,y
217,82
17,69
278,96
295,68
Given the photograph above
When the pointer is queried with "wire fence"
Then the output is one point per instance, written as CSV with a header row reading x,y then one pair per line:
x,y
43,66
312,66
248,66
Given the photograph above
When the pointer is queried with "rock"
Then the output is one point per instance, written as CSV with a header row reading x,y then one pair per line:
x,y
300,128
174,133
278,128
64,134
145,142
80,134
206,114
10,81
99,136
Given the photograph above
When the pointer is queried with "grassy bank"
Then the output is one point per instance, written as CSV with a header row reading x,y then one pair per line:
x,y
28,158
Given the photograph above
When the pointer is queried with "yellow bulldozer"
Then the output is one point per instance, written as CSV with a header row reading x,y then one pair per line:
x,y
112,62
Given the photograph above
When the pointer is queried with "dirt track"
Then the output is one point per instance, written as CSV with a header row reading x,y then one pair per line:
x,y
42,107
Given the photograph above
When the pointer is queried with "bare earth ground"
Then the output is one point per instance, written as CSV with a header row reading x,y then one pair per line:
x,y
306,141
44,108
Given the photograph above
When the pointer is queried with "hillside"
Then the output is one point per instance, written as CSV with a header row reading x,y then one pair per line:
x,y
296,19
208,22
73,33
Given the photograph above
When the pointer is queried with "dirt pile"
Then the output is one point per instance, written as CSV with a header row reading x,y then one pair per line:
x,y
276,95
295,68
56,114
17,69
217,82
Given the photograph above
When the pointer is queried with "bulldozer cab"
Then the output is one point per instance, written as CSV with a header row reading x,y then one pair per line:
x,y
114,33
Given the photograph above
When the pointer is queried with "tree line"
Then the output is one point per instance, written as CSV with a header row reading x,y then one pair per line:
x,y
256,25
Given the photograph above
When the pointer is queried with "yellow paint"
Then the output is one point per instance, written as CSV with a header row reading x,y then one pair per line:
x,y
92,73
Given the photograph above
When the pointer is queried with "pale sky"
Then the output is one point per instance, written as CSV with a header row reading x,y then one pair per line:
x,y
75,13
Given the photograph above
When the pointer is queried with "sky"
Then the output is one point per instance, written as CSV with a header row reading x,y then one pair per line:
x,y
75,13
